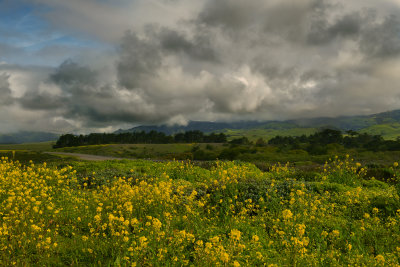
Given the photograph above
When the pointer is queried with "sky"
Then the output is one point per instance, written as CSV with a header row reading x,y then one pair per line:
x,y
99,65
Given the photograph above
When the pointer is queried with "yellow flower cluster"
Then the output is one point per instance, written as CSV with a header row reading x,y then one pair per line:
x,y
177,214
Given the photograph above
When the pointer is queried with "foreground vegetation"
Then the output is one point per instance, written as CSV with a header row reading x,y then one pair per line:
x,y
177,213
317,143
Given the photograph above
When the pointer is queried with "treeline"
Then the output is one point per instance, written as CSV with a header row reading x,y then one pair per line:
x,y
153,137
317,143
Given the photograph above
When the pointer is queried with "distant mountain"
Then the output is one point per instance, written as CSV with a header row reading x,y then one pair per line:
x,y
354,123
27,137
385,124
203,126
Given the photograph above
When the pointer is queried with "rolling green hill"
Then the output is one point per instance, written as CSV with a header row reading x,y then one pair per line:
x,y
385,124
204,126
388,131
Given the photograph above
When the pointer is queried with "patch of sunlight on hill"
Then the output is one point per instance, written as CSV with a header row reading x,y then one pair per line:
x,y
388,131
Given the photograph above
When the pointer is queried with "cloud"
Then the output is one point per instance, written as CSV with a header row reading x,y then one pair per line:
x,y
107,20
5,91
382,39
182,60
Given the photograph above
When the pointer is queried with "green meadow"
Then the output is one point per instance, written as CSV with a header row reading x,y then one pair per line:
x,y
63,211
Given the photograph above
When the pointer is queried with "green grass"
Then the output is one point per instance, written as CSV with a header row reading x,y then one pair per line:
x,y
266,155
388,131
25,156
266,134
154,151
42,146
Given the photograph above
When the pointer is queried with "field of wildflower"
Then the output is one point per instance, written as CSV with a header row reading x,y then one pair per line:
x,y
142,213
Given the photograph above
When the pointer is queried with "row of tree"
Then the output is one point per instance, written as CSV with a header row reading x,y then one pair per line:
x,y
153,137
330,136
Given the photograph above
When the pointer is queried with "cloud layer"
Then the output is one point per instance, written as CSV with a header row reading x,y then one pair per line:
x,y
218,60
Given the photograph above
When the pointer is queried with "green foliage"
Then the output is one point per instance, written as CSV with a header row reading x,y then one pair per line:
x,y
152,137
333,140
266,133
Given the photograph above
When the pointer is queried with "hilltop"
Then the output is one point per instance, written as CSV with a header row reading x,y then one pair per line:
x,y
386,124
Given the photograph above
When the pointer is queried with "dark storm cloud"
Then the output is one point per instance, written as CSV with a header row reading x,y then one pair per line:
x,y
40,101
82,98
321,32
140,58
230,14
347,25
378,38
74,81
382,40
70,73
198,49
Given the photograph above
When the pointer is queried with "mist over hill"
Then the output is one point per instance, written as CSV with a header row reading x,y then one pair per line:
x,y
203,126
384,123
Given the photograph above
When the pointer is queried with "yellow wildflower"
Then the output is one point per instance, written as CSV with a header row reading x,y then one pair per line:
x,y
235,234
287,214
255,238
380,259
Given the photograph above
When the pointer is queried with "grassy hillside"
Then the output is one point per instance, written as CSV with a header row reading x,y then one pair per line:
x,y
203,126
388,131
254,129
